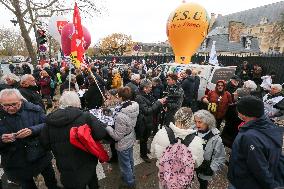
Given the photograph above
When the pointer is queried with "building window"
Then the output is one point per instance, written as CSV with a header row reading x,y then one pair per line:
x,y
261,30
249,31
277,49
247,43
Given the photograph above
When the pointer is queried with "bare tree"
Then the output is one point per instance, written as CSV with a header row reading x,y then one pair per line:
x,y
11,43
29,12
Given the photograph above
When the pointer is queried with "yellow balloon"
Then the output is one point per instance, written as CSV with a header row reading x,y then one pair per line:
x,y
187,27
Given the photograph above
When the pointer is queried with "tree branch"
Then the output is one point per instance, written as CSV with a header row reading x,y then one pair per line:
x,y
7,6
46,6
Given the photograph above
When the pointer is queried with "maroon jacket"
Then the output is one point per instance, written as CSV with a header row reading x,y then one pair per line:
x,y
44,84
221,100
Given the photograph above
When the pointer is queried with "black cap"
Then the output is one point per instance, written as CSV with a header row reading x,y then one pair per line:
x,y
250,106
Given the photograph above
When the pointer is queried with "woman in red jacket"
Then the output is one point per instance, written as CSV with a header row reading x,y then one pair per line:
x,y
45,89
218,101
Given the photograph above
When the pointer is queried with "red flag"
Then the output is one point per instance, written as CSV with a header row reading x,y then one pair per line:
x,y
77,39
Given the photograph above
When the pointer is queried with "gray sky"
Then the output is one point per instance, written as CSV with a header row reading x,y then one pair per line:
x,y
145,20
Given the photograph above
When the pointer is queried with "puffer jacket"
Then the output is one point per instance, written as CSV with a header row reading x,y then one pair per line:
x,y
161,142
76,166
125,121
215,149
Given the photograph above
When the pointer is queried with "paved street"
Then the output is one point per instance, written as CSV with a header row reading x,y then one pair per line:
x,y
146,176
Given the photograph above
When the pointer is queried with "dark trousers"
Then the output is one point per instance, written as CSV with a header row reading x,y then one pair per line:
x,y
49,179
203,183
143,142
113,151
93,184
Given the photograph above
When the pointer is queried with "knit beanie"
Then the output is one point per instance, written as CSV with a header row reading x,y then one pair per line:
x,y
250,106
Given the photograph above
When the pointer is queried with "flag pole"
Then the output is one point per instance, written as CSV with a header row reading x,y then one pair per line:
x,y
69,85
94,77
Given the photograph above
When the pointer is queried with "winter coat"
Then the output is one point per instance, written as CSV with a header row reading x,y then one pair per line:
x,y
230,130
174,102
116,81
158,91
221,100
31,95
76,166
188,88
93,97
44,84
215,149
125,120
161,142
13,155
148,107
255,150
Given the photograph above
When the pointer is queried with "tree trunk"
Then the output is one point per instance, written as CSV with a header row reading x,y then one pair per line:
x,y
24,32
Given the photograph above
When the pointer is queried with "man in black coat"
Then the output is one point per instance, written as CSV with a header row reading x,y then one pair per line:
x,y
93,96
29,90
77,167
188,87
147,108
22,155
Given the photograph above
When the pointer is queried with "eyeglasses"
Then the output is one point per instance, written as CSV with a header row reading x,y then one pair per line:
x,y
14,104
220,85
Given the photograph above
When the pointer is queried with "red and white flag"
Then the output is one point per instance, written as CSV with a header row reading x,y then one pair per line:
x,y
77,39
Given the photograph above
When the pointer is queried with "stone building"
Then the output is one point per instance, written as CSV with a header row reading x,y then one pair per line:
x,y
252,31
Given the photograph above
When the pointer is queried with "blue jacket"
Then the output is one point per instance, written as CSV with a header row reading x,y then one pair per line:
x,y
13,154
255,152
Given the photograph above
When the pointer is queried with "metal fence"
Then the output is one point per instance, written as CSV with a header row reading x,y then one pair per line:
x,y
268,62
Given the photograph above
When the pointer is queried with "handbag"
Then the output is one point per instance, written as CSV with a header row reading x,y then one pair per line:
x,y
34,150
81,138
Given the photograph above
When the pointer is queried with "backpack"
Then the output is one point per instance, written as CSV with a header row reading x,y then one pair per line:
x,y
176,165
81,138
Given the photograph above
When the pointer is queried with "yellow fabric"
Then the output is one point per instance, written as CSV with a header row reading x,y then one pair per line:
x,y
116,81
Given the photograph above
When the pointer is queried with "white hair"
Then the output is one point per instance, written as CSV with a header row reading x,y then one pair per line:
x,y
249,84
69,98
8,92
277,86
135,77
206,118
11,76
25,77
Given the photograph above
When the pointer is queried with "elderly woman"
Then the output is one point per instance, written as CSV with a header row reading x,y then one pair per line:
x,y
123,133
148,107
214,151
183,126
45,89
77,168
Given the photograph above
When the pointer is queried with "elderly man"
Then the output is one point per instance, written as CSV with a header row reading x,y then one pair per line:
x,y
29,90
274,101
22,155
255,158
134,85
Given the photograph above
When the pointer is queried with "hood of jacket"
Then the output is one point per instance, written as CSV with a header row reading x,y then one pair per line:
x,y
131,110
62,117
266,127
181,132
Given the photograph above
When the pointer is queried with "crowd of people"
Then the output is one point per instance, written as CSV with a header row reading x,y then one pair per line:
x,y
146,105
